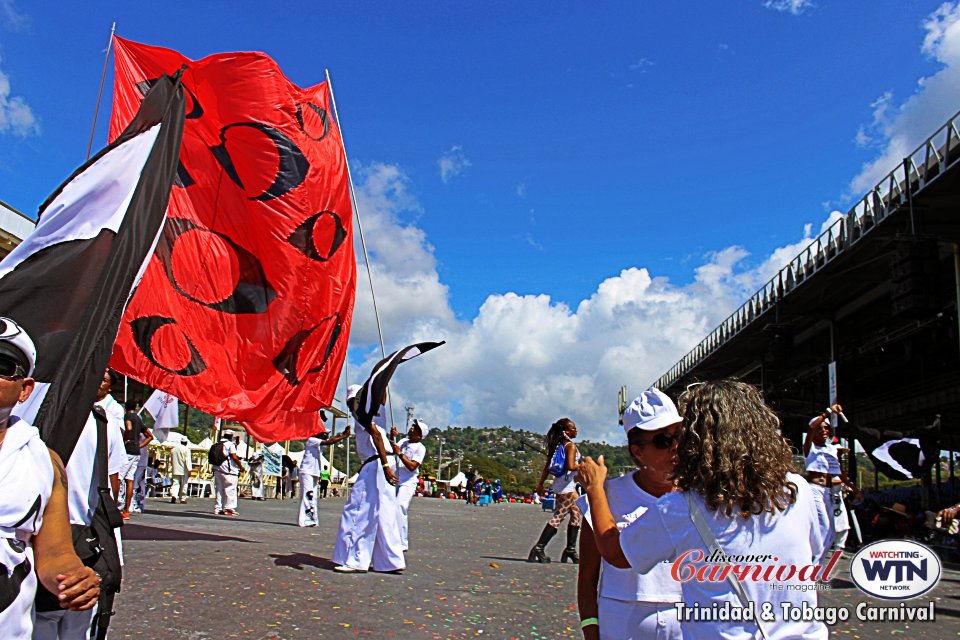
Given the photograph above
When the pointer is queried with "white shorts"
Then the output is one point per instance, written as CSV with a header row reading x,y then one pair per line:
x,y
129,471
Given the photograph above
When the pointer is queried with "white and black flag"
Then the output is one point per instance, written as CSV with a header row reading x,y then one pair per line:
x,y
68,282
901,455
372,393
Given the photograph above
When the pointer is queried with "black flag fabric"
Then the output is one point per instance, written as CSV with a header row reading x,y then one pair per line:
x,y
68,282
371,394
901,455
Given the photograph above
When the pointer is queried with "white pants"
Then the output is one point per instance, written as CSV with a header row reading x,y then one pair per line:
x,y
179,487
226,485
404,496
64,625
368,526
308,501
623,620
823,500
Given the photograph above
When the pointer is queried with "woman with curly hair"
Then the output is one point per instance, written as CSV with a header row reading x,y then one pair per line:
x,y
736,494
561,434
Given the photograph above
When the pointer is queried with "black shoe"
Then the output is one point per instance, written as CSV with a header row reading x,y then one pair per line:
x,y
537,554
570,554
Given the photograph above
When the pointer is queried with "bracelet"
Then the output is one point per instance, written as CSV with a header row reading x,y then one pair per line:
x,y
386,465
586,622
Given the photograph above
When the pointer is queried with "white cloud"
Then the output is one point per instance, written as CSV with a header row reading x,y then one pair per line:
x,y
453,163
526,360
16,116
796,7
902,128
11,17
522,190
642,65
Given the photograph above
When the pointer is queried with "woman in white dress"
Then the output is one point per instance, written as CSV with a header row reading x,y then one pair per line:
x,y
827,479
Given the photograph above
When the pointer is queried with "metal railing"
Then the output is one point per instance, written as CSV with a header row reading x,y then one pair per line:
x,y
929,161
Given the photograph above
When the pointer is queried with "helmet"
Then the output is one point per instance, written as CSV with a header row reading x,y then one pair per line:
x,y
16,344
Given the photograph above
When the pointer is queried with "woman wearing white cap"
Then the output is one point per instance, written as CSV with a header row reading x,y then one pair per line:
x,y
737,496
563,452
827,479
624,604
411,453
369,533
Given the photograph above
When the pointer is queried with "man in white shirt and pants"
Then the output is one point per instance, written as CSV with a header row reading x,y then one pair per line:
x,y
411,453
181,466
226,477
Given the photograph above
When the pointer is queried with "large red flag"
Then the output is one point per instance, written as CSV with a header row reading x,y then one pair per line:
x,y
244,310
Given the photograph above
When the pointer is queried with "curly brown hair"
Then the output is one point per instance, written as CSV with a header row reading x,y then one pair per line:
x,y
730,450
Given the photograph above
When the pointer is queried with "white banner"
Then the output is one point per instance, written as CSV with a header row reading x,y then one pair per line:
x,y
165,410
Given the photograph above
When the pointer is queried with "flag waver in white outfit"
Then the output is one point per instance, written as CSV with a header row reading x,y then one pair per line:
x,y
368,531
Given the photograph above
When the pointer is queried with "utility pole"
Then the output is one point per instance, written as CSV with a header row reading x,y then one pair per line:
x,y
440,462
409,409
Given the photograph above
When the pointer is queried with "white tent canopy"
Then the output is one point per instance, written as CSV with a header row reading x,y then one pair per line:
x,y
458,480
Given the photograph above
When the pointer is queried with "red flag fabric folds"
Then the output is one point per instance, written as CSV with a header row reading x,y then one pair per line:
x,y
245,309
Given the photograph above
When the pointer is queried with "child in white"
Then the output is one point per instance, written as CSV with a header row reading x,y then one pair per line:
x,y
411,453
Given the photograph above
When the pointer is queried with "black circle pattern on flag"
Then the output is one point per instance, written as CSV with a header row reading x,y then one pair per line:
x,y
252,292
289,357
309,127
328,226
292,165
145,329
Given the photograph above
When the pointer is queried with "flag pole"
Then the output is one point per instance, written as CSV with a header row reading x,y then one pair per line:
x,y
103,78
356,211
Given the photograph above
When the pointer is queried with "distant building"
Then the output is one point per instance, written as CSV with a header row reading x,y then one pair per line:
x,y
14,227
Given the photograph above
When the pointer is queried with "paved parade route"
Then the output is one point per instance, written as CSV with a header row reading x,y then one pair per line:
x,y
197,576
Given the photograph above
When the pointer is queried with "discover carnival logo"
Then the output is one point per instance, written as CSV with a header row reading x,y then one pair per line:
x,y
895,569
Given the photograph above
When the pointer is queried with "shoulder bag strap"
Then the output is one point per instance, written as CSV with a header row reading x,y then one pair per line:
x,y
706,533
103,484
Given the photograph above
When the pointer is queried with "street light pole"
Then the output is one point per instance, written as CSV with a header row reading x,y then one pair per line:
x,y
440,463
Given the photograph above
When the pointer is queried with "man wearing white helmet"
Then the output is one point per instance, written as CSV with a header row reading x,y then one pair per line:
x,y
368,532
411,453
38,544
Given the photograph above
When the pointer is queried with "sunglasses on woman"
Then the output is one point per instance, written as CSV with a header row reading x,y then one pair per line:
x,y
10,369
661,441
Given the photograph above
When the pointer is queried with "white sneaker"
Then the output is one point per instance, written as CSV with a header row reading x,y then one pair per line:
x,y
342,568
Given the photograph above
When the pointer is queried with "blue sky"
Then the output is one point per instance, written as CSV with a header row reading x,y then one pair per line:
x,y
526,168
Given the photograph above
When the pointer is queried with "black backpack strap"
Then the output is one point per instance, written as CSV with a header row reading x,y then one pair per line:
x,y
108,507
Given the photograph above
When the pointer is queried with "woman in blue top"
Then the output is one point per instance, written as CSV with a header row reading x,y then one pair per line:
x,y
561,434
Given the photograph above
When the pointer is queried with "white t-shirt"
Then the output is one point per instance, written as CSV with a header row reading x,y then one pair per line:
x,y
26,482
414,451
628,502
310,465
823,459
114,411
82,496
228,466
792,536
365,447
